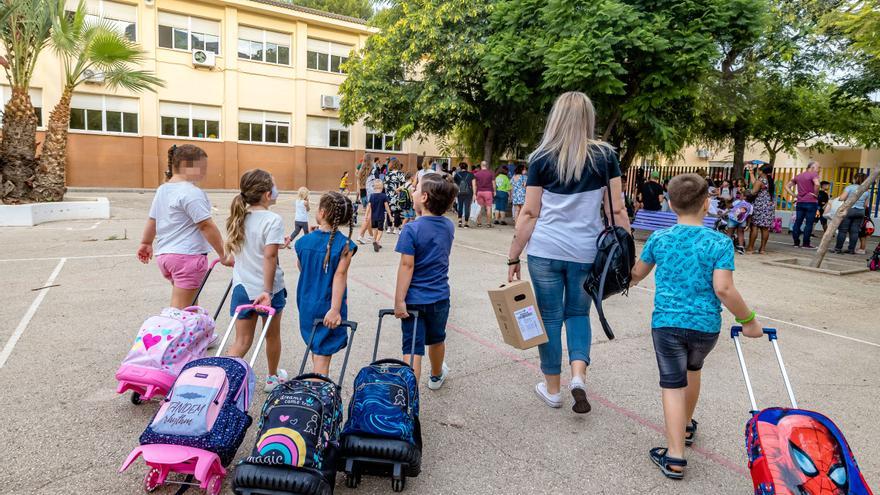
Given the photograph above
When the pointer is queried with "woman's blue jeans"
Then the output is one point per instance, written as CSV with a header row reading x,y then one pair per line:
x,y
559,288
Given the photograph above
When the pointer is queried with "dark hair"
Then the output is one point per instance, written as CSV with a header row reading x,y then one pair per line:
x,y
338,210
441,193
343,174
824,183
767,169
253,184
687,193
179,154
502,170
859,178
463,166
519,169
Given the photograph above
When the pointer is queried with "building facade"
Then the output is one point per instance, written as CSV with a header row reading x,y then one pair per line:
x,y
252,82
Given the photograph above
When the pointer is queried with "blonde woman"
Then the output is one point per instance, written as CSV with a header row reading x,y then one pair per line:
x,y
560,221
301,220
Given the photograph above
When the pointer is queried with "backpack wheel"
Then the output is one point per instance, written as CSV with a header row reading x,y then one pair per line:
x,y
151,480
136,399
215,485
397,485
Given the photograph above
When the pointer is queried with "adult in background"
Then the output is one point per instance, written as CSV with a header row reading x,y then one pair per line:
x,y
518,198
484,184
465,182
806,184
855,216
502,195
651,193
362,171
763,207
395,179
560,222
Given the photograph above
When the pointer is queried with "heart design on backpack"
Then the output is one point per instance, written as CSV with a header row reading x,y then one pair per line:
x,y
284,418
150,340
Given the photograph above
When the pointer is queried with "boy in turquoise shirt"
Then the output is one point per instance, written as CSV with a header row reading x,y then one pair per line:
x,y
694,277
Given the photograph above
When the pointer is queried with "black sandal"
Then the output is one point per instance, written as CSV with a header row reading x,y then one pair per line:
x,y
663,461
690,433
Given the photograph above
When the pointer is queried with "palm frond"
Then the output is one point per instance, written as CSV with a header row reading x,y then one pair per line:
x,y
136,81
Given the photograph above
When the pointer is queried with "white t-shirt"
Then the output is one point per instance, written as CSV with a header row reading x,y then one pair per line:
x,y
302,215
177,208
261,227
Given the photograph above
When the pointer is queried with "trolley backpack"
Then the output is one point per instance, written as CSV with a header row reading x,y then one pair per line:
x,y
298,434
382,434
874,260
204,417
794,451
164,345
615,258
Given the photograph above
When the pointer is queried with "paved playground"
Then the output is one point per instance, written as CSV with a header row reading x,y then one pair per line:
x,y
64,429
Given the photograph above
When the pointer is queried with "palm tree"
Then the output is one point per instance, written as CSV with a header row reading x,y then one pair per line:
x,y
24,33
85,47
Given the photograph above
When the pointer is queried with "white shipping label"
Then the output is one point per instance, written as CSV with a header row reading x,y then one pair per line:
x,y
527,319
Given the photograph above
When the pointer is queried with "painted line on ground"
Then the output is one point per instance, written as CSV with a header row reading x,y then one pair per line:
x,y
634,416
74,257
784,322
32,310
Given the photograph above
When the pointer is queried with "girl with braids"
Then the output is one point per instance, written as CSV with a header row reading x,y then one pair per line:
x,y
253,235
180,223
323,258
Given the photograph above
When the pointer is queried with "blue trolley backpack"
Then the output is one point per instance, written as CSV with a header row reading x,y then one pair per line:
x,y
382,435
297,444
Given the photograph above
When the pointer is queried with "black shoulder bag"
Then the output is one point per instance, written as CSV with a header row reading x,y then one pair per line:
x,y
615,258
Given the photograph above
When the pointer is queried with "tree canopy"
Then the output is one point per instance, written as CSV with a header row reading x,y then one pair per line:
x,y
352,8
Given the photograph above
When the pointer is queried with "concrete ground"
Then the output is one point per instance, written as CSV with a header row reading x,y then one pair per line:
x,y
64,429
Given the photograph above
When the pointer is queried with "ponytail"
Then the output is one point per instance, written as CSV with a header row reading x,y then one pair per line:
x,y
235,224
169,173
184,154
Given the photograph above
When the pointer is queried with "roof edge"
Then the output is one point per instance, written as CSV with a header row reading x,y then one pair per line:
x,y
309,10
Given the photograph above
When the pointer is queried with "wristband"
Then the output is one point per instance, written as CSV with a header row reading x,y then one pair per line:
x,y
746,319
511,262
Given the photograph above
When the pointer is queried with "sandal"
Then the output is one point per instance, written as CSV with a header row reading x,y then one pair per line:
x,y
690,433
663,461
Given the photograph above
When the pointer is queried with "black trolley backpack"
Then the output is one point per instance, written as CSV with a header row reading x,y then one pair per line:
x,y
298,440
383,436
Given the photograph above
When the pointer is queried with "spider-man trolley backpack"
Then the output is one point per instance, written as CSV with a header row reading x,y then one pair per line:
x,y
794,451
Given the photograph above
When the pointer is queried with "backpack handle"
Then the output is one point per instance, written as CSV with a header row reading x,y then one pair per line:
x,y
390,361
314,376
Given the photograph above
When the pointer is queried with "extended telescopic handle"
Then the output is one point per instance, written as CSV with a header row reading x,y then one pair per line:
x,y
259,309
773,337
390,312
352,327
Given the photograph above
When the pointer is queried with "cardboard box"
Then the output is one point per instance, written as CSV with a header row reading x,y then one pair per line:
x,y
518,316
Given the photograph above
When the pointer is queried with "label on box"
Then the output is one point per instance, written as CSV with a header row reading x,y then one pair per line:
x,y
527,319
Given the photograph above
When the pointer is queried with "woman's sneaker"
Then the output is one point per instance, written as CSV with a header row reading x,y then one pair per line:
x,y
435,382
552,400
579,394
273,381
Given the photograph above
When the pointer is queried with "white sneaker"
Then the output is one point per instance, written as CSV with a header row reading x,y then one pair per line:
x,y
361,240
273,381
214,341
552,400
435,382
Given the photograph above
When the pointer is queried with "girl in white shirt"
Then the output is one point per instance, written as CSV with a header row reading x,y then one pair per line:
x,y
254,235
301,220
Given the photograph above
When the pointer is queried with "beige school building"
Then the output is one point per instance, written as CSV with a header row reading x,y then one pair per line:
x,y
252,82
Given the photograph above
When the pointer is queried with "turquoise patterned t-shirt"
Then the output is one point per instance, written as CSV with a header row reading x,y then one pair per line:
x,y
686,256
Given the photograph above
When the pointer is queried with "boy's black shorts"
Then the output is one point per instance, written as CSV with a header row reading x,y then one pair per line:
x,y
378,223
680,350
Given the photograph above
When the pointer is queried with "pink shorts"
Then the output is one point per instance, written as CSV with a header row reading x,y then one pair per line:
x,y
184,271
484,198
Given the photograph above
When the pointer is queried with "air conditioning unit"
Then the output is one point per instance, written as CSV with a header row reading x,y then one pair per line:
x,y
703,153
204,58
329,102
93,76
149,3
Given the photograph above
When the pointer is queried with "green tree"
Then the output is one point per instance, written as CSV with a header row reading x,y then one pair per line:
x,y
353,8
85,48
859,22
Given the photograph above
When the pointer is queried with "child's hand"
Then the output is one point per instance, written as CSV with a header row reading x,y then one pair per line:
x,y
287,240
332,319
400,310
145,252
753,329
228,260
264,299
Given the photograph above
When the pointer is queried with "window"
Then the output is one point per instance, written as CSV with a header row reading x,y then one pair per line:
x,y
119,16
99,113
189,121
379,142
36,100
180,32
327,56
263,127
324,132
263,46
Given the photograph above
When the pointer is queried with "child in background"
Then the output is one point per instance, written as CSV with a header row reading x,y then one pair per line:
x,y
406,200
343,183
694,276
737,219
180,222
254,234
423,276
323,257
301,220
377,209
822,199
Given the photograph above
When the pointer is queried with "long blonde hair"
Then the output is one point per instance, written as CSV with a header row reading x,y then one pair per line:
x,y
253,184
569,136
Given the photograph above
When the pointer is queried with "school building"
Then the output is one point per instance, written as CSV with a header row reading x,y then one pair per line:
x,y
252,82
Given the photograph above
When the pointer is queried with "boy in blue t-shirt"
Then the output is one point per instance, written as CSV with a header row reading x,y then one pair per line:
x,y
423,276
694,277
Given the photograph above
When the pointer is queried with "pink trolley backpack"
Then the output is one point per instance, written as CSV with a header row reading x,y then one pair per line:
x,y
203,419
164,345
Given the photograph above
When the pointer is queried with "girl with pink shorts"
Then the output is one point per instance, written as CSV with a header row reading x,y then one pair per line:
x,y
180,223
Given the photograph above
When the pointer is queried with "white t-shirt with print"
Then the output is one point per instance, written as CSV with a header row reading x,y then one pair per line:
x,y
177,208
261,227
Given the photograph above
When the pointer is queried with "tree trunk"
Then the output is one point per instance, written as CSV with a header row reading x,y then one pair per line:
x,y
831,233
50,180
739,149
629,155
488,144
18,147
